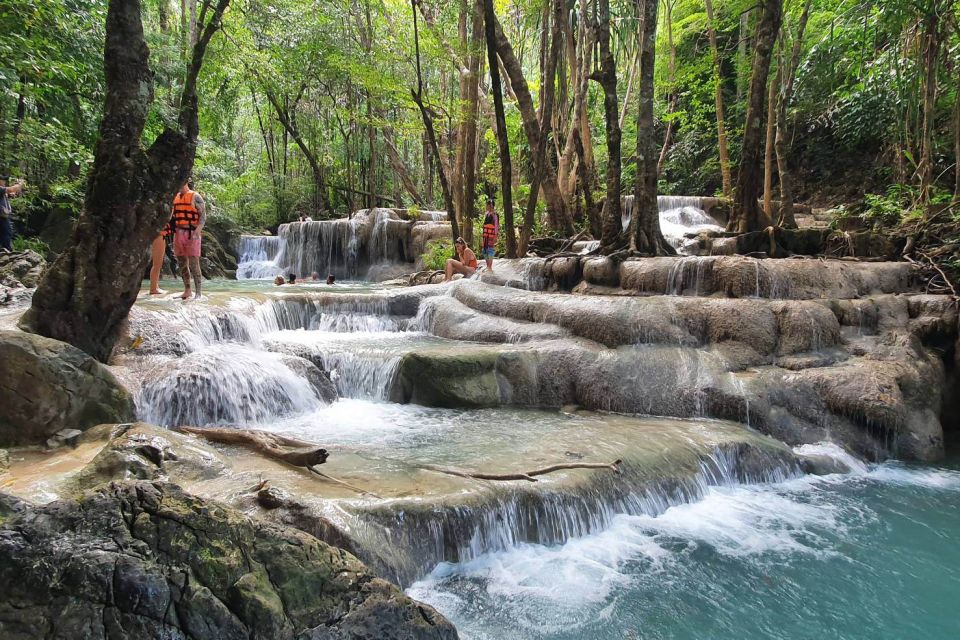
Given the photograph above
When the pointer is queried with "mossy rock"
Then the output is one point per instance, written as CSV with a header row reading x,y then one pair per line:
x,y
466,378
146,560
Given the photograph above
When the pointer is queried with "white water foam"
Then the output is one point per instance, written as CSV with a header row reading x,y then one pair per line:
x,y
226,384
543,590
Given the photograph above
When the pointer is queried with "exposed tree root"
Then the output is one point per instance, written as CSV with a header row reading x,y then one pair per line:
x,y
529,476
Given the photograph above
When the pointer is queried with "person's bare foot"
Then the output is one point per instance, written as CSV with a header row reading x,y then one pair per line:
x,y
158,292
197,296
186,295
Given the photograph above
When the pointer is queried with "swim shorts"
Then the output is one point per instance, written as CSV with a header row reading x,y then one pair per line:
x,y
487,253
185,245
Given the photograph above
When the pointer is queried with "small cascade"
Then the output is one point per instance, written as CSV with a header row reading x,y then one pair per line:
x,y
679,216
258,255
388,239
690,275
361,373
245,321
406,541
228,384
323,246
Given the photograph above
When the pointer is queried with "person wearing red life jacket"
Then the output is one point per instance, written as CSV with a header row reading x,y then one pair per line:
x,y
189,217
491,231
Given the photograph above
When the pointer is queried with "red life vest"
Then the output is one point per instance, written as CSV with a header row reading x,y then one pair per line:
x,y
185,213
490,230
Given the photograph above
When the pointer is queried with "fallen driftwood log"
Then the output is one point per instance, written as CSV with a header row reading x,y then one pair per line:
x,y
297,453
290,450
529,476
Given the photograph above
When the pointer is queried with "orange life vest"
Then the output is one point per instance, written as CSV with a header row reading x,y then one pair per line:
x,y
185,213
489,231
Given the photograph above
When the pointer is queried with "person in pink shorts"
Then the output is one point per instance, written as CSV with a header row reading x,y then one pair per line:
x,y
189,217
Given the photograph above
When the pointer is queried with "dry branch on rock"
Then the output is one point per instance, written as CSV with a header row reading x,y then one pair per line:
x,y
529,476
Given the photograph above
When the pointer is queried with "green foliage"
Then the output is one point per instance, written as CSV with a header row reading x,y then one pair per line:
x,y
435,257
30,244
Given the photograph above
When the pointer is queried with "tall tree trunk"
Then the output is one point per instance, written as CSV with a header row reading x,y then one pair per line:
x,y
193,23
472,105
787,219
503,143
580,124
400,168
86,294
748,216
556,207
431,133
672,80
607,77
645,234
931,56
546,117
285,116
768,153
956,146
718,99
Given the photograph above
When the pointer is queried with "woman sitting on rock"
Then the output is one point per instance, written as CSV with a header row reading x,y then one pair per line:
x,y
467,264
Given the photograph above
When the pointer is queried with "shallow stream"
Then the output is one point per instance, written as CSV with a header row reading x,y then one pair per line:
x,y
871,554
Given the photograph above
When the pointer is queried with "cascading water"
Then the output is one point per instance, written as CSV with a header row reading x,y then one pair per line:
x,y
258,257
346,248
700,513
228,384
809,557
679,216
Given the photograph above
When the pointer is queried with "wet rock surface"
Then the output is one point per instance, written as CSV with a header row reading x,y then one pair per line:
x,y
146,560
47,386
21,269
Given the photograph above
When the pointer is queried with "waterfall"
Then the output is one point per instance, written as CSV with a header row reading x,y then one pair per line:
x,y
226,384
345,248
258,255
407,541
679,216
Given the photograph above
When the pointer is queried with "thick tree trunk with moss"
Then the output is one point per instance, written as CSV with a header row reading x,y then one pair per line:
x,y
645,234
748,216
85,296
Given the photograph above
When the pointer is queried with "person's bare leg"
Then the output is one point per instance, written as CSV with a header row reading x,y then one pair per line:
x,y
156,254
183,263
489,264
448,271
197,275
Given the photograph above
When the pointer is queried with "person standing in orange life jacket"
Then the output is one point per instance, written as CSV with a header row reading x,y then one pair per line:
x,y
491,231
189,217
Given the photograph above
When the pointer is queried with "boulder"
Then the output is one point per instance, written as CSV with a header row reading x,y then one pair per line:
x,y
148,561
141,451
215,262
21,269
465,378
47,385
